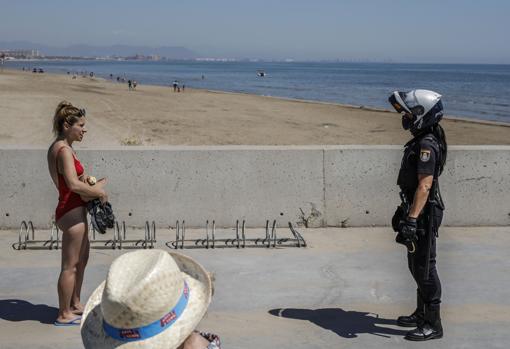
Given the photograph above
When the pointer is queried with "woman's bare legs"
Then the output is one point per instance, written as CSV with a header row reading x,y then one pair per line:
x,y
74,229
76,306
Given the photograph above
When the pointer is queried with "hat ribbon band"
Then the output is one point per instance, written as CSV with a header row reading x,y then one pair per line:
x,y
158,326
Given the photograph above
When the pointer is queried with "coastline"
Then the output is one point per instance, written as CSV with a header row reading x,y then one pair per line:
x,y
155,115
346,105
362,107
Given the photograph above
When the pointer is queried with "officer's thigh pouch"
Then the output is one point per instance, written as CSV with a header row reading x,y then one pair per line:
x,y
437,216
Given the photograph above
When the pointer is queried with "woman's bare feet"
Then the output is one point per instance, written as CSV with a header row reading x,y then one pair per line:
x,y
77,309
67,318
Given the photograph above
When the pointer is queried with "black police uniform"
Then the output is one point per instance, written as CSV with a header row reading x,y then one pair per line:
x,y
422,155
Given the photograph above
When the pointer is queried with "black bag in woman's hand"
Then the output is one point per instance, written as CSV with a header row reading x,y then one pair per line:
x,y
101,215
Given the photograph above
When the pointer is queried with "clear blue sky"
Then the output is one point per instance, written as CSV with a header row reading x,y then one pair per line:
x,y
452,31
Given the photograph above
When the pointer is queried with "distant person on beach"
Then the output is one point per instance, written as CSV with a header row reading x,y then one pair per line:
x,y
419,216
134,84
129,85
75,188
175,85
153,299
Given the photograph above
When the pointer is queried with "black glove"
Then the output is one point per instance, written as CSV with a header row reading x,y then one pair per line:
x,y
407,233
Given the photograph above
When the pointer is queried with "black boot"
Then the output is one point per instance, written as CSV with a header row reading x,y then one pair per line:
x,y
415,318
431,327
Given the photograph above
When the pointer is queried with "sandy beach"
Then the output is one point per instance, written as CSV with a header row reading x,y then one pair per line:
x,y
155,115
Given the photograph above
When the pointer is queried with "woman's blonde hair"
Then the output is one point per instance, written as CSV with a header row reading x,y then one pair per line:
x,y
66,112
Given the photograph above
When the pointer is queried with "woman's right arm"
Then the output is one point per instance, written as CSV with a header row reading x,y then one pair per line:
x,y
65,158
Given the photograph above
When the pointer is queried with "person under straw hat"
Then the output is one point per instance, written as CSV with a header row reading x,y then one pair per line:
x,y
150,299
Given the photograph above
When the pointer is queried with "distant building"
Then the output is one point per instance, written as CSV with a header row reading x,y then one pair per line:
x,y
140,57
21,54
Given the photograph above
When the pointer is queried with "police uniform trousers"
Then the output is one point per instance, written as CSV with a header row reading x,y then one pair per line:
x,y
429,288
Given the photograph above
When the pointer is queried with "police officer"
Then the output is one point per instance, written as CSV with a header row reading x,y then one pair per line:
x,y
418,218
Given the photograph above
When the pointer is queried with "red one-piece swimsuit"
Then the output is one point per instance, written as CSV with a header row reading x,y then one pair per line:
x,y
67,200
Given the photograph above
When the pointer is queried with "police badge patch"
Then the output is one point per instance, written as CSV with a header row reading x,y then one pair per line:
x,y
424,155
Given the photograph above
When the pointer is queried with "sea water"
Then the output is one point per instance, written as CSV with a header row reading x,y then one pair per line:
x,y
471,91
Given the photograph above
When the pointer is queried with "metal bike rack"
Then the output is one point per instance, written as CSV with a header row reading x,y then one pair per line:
x,y
147,242
240,240
24,241
297,236
210,240
103,243
180,237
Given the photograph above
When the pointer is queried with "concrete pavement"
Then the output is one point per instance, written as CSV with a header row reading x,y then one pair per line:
x,y
343,291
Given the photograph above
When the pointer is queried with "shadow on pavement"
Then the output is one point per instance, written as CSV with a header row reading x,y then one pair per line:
x,y
20,310
347,324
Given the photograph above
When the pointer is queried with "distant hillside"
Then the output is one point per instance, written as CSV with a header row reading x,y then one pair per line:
x,y
172,52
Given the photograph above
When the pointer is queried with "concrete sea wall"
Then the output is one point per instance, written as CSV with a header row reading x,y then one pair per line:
x,y
319,185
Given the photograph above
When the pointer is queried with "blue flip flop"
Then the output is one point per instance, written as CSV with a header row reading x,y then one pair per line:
x,y
74,322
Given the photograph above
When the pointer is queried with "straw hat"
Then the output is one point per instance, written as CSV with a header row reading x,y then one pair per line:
x,y
150,299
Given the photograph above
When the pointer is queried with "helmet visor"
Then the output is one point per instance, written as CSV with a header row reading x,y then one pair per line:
x,y
408,102
398,103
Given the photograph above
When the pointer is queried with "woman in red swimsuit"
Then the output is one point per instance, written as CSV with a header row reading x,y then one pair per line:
x,y
71,215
